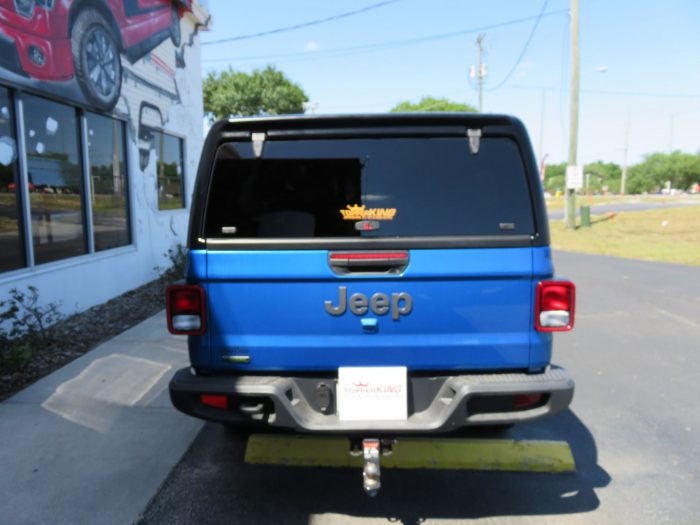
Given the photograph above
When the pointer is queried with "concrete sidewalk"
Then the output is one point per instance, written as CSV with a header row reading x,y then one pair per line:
x,y
92,442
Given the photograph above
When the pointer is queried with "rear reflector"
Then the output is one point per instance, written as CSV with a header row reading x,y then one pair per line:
x,y
526,400
185,309
214,400
554,306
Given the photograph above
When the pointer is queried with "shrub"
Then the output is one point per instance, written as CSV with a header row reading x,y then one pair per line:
x,y
23,325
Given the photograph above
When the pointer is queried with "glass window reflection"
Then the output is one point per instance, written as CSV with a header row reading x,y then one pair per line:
x,y
108,182
170,184
55,180
11,247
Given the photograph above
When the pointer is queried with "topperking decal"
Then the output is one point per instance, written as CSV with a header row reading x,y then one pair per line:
x,y
355,212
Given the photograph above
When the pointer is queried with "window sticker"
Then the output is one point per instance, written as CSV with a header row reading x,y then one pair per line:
x,y
355,212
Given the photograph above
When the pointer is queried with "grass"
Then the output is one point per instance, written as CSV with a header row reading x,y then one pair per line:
x,y
670,235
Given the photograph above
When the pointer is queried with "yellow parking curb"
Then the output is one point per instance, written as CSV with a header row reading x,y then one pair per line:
x,y
439,454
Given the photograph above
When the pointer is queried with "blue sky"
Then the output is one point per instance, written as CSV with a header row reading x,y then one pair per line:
x,y
651,50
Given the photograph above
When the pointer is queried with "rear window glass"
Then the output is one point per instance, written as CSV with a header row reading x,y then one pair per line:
x,y
369,188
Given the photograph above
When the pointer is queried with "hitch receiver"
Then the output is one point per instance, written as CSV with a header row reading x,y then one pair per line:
x,y
371,473
372,450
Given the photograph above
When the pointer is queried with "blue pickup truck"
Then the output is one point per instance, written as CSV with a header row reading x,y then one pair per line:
x,y
370,276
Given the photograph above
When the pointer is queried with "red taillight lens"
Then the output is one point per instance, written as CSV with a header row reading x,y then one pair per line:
x,y
186,301
214,400
369,256
554,306
185,309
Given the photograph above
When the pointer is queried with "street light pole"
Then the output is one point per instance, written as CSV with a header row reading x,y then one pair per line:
x,y
573,129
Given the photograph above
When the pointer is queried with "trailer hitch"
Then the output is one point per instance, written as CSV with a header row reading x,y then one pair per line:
x,y
371,450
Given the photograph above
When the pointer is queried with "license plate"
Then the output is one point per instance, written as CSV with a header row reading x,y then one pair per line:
x,y
372,393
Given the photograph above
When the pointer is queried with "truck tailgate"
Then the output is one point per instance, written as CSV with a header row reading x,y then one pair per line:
x,y
470,309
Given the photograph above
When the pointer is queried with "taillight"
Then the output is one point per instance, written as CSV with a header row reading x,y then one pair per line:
x,y
554,306
185,309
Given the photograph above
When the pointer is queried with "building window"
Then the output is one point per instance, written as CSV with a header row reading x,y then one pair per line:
x,y
53,192
55,180
11,246
108,182
170,184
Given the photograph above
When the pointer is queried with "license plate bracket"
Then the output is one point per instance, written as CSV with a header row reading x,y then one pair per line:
x,y
372,393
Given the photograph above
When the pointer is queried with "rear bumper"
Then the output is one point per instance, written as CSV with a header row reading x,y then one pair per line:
x,y
437,404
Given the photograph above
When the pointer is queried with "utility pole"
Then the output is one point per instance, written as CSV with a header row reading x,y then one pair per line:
x,y
481,70
623,179
573,129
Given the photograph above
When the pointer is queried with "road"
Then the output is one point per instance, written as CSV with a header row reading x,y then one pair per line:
x,y
629,206
633,429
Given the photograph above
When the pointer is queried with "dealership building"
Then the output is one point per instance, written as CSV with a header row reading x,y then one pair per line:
x,y
100,134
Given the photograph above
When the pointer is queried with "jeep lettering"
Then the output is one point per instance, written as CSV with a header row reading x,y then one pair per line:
x,y
401,304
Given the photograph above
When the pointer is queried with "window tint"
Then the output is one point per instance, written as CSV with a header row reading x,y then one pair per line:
x,y
108,189
170,164
284,198
55,180
11,248
402,187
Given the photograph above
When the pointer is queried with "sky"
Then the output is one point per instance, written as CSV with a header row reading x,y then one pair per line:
x,y
639,63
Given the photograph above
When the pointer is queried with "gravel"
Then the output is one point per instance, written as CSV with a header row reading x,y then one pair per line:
x,y
80,333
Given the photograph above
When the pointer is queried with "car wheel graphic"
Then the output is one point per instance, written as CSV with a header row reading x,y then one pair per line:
x,y
96,59
175,33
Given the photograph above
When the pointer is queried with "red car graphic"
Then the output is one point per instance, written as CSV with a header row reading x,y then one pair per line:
x,y
54,40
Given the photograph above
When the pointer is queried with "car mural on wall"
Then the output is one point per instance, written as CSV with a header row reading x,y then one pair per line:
x,y
57,40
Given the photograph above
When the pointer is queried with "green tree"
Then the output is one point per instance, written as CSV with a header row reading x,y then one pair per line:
x,y
601,174
555,177
262,92
650,175
432,104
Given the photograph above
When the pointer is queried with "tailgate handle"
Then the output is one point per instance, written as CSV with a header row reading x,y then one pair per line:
x,y
368,262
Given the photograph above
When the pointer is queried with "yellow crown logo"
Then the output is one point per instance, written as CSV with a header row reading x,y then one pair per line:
x,y
353,212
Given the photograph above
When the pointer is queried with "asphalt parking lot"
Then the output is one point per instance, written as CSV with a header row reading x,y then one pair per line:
x,y
633,430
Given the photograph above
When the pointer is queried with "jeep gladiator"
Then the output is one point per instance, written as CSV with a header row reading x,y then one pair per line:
x,y
371,276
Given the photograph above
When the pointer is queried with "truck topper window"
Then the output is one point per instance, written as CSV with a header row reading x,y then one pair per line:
x,y
324,188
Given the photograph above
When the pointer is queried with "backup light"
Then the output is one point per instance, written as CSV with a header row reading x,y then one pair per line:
x,y
185,309
554,306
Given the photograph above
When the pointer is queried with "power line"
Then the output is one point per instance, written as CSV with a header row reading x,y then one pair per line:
x,y
540,89
302,25
384,45
650,94
527,43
